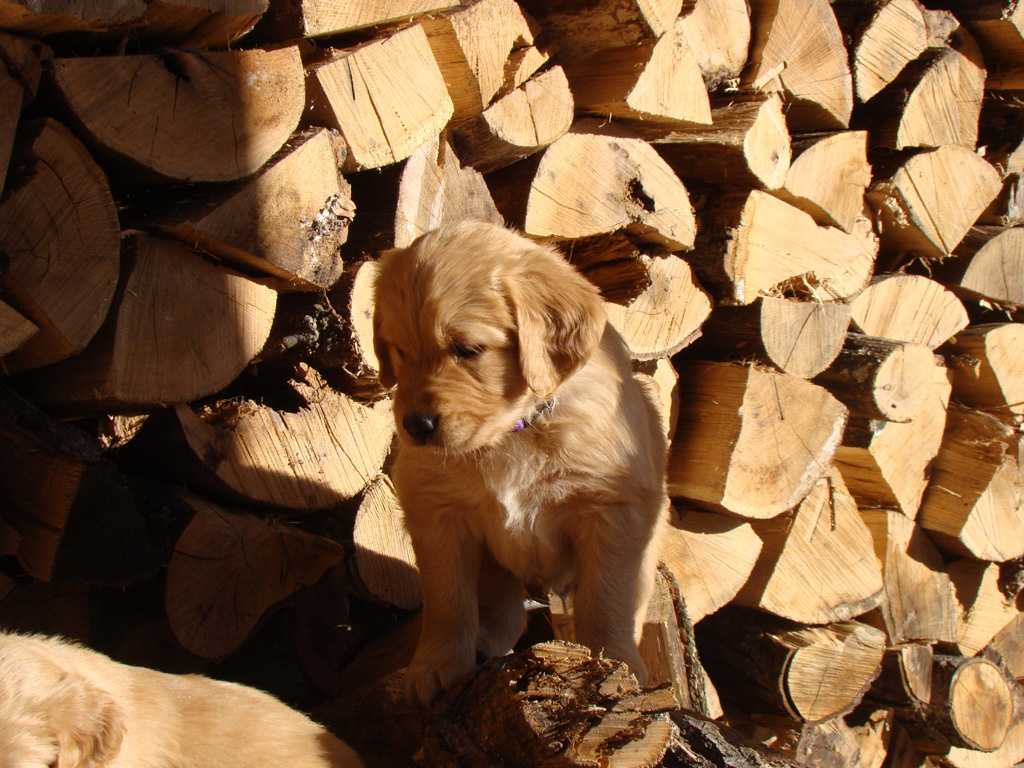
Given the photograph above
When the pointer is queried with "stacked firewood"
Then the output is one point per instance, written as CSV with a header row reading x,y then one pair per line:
x,y
804,218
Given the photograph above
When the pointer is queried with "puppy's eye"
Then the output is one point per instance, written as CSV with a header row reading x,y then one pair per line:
x,y
464,351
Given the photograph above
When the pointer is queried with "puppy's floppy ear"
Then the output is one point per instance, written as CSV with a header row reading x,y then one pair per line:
x,y
87,722
560,318
385,372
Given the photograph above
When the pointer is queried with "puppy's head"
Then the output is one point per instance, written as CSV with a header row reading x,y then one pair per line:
x,y
476,325
49,715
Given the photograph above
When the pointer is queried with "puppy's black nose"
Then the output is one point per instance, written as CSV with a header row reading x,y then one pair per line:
x,y
420,426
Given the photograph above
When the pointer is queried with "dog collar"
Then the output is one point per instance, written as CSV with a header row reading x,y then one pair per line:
x,y
539,411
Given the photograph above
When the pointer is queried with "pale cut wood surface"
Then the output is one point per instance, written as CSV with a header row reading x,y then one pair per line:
x,y
60,238
315,18
984,609
718,33
909,308
384,558
186,115
386,98
990,265
886,37
987,366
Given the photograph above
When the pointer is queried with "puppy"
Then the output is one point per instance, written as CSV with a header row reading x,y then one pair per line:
x,y
65,705
528,454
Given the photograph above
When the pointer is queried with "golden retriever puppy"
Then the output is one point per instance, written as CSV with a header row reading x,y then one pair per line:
x,y
528,454
64,705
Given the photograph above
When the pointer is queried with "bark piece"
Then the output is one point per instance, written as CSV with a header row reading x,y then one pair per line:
x,y
667,315
908,308
984,608
797,48
289,221
787,670
817,565
971,706
801,338
576,29
474,47
317,456
522,122
888,463
658,80
386,97
828,178
879,378
929,204
919,603
597,180
751,442
315,18
699,544
152,352
935,101
186,115
718,33
987,366
404,201
747,143
229,568
59,234
973,503
887,35
384,559
989,265
764,245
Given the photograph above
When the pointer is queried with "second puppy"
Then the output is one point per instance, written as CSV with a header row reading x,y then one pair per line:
x,y
528,455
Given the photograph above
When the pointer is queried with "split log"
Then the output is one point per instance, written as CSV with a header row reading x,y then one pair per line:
x,y
759,244
886,36
667,315
185,115
49,609
576,29
797,48
288,221
800,338
384,559
718,33
777,668
989,266
554,704
290,19
385,97
888,463
858,739
817,565
908,308
659,377
59,235
997,25
906,676
935,101
522,122
751,442
987,366
984,608
313,457
919,603
929,204
24,60
475,46
658,80
972,504
229,569
73,514
596,180
15,329
11,95
1008,642
151,351
404,201
747,143
1010,753
878,378
971,707
698,544
828,177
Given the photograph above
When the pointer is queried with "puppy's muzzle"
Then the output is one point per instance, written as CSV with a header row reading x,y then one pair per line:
x,y
421,426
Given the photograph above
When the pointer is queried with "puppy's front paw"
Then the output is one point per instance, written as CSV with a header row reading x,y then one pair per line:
x,y
430,673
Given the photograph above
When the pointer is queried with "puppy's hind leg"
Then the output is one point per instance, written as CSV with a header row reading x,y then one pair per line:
x,y
502,614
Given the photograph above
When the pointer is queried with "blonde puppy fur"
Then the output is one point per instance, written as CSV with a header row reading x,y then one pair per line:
x,y
64,705
528,453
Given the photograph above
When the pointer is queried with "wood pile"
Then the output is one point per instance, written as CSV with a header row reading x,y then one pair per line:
x,y
805,218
